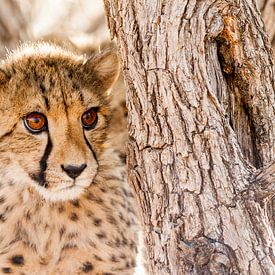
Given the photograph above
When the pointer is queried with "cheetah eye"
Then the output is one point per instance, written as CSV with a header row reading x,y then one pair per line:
x,y
35,122
89,118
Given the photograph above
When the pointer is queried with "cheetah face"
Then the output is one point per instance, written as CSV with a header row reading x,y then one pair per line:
x,y
54,119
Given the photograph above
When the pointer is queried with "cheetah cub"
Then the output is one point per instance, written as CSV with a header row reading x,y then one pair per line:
x,y
64,204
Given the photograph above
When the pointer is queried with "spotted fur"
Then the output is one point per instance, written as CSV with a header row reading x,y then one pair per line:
x,y
51,223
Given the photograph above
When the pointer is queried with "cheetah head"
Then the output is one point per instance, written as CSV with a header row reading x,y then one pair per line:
x,y
54,118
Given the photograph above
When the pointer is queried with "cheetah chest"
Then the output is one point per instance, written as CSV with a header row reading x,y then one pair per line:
x,y
95,234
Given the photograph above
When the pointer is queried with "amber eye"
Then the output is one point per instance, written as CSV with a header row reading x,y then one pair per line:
x,y
89,118
35,122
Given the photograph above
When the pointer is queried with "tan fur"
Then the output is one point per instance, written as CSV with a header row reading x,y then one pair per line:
x,y
50,223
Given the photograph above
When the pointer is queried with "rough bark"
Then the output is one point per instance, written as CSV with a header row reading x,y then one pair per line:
x,y
200,80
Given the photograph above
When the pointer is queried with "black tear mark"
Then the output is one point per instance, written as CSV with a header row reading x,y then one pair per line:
x,y
90,147
40,178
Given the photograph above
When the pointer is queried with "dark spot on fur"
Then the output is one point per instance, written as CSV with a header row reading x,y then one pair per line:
x,y
99,200
87,267
124,241
125,192
103,190
81,98
122,256
111,244
43,261
97,222
28,215
122,157
2,199
2,218
101,235
51,63
133,263
111,219
118,242
118,193
61,209
17,260
121,216
114,259
92,244
72,235
11,183
8,209
69,246
131,210
6,270
75,86
89,214
62,231
133,246
93,198
70,73
73,217
75,203
113,202
97,258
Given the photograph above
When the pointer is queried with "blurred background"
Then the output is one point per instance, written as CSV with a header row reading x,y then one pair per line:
x,y
77,20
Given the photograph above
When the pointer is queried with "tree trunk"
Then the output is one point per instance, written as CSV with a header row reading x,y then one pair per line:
x,y
200,82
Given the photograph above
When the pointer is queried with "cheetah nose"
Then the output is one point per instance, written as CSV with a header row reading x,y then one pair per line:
x,y
74,171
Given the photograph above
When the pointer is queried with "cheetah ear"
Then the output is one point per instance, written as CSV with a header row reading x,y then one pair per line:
x,y
103,69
